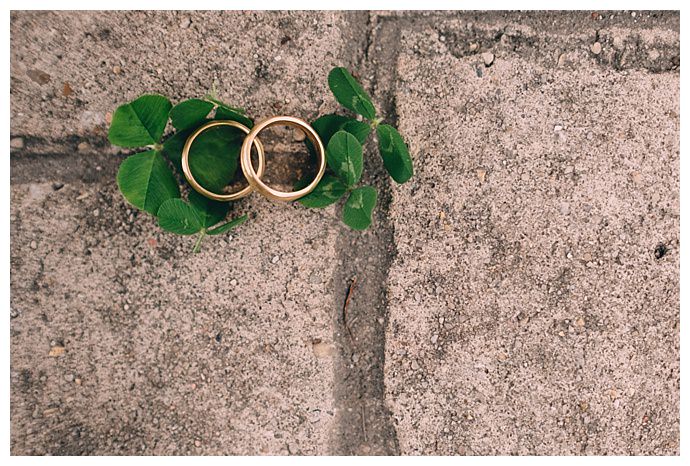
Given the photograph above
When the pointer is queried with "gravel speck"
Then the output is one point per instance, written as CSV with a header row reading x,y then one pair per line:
x,y
596,48
275,259
16,143
33,245
488,58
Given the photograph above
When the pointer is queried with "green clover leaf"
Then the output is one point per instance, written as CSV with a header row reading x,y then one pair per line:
x,y
209,211
328,191
190,113
227,113
358,208
344,157
396,156
140,122
146,181
177,216
350,94
358,129
213,157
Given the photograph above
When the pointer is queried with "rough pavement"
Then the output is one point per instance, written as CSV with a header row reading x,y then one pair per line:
x,y
534,297
519,296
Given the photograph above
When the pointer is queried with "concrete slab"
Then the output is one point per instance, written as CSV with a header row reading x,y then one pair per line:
x,y
534,298
123,342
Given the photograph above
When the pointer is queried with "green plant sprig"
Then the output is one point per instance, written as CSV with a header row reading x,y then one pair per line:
x,y
147,181
343,138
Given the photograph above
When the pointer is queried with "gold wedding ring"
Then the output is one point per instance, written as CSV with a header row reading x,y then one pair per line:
x,y
254,177
223,197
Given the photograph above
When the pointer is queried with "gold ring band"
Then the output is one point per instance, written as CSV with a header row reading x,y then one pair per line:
x,y
205,192
254,178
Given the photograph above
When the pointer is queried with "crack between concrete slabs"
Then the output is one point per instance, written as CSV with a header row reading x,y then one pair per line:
x,y
364,425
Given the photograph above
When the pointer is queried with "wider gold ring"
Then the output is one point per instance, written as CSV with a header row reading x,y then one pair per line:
x,y
205,192
254,178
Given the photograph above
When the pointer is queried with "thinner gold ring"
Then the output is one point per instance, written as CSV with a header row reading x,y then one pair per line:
x,y
254,177
205,192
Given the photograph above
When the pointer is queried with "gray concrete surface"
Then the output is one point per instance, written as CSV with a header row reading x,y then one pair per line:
x,y
519,296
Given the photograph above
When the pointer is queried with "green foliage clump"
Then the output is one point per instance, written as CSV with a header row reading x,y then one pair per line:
x,y
147,181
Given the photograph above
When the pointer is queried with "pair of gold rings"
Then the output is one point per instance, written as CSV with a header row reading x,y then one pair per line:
x,y
252,175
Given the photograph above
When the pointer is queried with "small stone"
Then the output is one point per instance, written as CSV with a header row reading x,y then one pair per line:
x,y
442,38
481,175
417,297
16,143
67,90
77,381
580,322
83,146
126,307
69,377
233,282
197,443
58,186
558,128
414,365
488,58
569,255
636,177
117,69
275,259
633,14
108,117
298,135
186,22
322,350
474,47
96,212
33,245
41,77
434,339
355,358
596,48
56,351
14,313
560,61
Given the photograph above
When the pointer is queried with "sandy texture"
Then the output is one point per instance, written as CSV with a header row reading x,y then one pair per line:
x,y
532,311
520,295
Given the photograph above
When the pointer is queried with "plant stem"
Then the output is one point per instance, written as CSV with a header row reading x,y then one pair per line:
x,y
197,245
